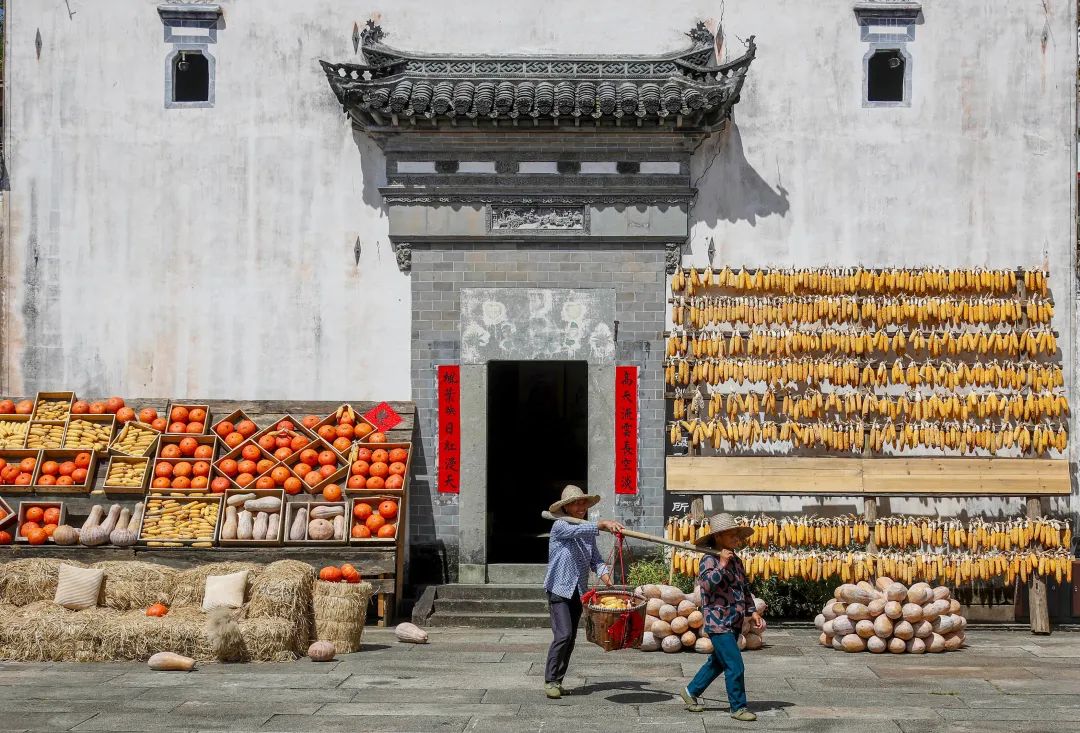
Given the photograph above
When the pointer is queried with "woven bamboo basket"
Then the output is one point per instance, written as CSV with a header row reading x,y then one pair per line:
x,y
612,629
340,613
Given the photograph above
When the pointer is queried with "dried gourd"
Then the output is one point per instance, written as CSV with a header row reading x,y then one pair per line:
x,y
842,626
703,645
876,607
228,528
169,662
245,525
298,530
857,612
668,612
897,645
864,629
649,643
883,626
671,644
853,643
894,610
876,645
915,646
679,625
923,629
410,633
653,606
904,630
661,629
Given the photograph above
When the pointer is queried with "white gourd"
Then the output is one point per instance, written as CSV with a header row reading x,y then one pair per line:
x,y
903,630
894,610
110,520
842,626
688,638
841,592
668,612
661,629
703,645
960,621
876,645
695,597
652,607
696,620
896,592
671,644
897,646
649,642
97,513
883,626
853,643
943,624
759,605
866,587
864,629
916,646
838,608
679,625
857,612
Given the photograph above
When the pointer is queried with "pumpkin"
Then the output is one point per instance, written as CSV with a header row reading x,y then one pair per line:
x,y
66,535
819,622
169,662
759,605
943,624
703,645
679,625
853,643
95,536
753,641
157,610
836,643
410,633
649,643
668,612
941,593
649,621
825,639
685,608
897,646
876,645
689,638
896,592
857,612
6,538
839,608
330,574
650,591
954,606
912,613
923,629
671,644
828,612
936,644
37,536
883,626
319,529
122,537
842,626
916,646
653,607
865,629
882,583
894,610
876,607
953,643
903,631
322,651
671,595
350,574
661,629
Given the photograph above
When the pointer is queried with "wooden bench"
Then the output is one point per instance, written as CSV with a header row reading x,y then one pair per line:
x,y
870,478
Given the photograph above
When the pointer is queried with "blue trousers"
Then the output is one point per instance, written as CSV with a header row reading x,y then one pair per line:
x,y
726,660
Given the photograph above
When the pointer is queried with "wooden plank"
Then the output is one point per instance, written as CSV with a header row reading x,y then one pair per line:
x,y
1039,611
872,476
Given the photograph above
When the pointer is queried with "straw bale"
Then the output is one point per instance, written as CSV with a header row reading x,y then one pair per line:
x,y
34,579
191,584
45,632
283,590
130,584
134,635
340,613
271,640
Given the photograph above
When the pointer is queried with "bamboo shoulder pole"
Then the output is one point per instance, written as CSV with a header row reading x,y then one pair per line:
x,y
643,537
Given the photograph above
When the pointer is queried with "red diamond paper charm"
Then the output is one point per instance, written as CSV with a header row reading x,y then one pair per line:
x,y
383,417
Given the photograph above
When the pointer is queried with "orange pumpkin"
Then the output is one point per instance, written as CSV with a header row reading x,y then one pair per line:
x,y
377,438
157,610
350,574
388,509
360,532
37,537
330,574
6,538
332,492
387,531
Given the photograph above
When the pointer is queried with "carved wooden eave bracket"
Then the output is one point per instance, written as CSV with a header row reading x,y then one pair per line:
x,y
396,91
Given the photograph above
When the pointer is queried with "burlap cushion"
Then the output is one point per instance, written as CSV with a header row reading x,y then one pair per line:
x,y
78,588
225,590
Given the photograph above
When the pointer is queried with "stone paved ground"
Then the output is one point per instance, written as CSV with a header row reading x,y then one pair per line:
x,y
490,681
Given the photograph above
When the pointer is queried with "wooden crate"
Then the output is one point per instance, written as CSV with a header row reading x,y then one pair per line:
x,y
7,513
133,425
374,498
14,442
381,446
48,424
261,438
275,541
337,477
332,421
62,456
207,422
106,421
294,506
25,505
200,440
236,454
113,490
17,455
157,541
234,417
66,398
173,463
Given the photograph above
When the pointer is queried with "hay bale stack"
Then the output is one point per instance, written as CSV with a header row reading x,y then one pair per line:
x,y
340,612
283,590
892,617
131,585
23,582
191,584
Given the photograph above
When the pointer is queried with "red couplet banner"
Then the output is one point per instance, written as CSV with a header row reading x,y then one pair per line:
x,y
626,429
449,376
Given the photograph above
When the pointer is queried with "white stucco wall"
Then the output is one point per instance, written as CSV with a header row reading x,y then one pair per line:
x,y
135,230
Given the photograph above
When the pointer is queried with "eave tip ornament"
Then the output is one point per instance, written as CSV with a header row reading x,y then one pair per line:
x,y
682,91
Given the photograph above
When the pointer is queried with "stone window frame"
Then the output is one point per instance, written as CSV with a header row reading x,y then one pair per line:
x,y
170,81
874,48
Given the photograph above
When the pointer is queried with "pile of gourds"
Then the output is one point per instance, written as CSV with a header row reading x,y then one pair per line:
x,y
674,622
890,616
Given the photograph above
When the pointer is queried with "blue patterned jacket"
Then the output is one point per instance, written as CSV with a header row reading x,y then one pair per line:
x,y
572,552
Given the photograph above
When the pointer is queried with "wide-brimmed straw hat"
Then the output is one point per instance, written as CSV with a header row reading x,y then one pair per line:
x,y
570,494
719,523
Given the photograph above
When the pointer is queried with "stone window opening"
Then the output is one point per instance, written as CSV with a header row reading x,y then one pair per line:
x,y
885,76
191,77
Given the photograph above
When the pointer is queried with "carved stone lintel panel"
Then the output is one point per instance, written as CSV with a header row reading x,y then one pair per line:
x,y
600,198
673,253
403,253
537,219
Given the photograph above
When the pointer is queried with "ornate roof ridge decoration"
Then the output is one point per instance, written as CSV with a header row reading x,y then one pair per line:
x,y
685,91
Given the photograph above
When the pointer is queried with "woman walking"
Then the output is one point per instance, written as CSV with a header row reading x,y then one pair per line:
x,y
726,600
572,552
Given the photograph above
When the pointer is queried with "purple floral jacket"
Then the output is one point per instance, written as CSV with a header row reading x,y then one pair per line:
x,y
725,594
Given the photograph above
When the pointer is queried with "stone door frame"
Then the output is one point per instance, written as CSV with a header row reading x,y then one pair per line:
x,y
539,343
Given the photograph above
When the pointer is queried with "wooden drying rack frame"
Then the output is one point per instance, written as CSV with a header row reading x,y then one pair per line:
x,y
1033,479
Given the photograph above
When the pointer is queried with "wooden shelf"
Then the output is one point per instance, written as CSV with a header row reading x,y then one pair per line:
x,y
796,476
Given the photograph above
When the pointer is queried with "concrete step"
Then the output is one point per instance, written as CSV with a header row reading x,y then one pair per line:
x,y
474,606
516,573
491,592
490,620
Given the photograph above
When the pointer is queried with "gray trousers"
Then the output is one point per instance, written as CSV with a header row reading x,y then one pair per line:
x,y
565,614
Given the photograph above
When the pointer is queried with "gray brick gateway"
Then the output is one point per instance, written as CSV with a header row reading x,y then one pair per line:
x,y
634,271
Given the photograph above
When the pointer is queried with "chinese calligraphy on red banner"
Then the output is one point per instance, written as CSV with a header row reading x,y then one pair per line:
x,y
449,377
626,429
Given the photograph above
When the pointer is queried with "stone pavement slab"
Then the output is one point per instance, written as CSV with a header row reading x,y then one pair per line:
x,y
1006,681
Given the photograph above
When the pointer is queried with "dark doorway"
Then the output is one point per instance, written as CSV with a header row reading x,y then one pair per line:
x,y
538,427
885,77
191,77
